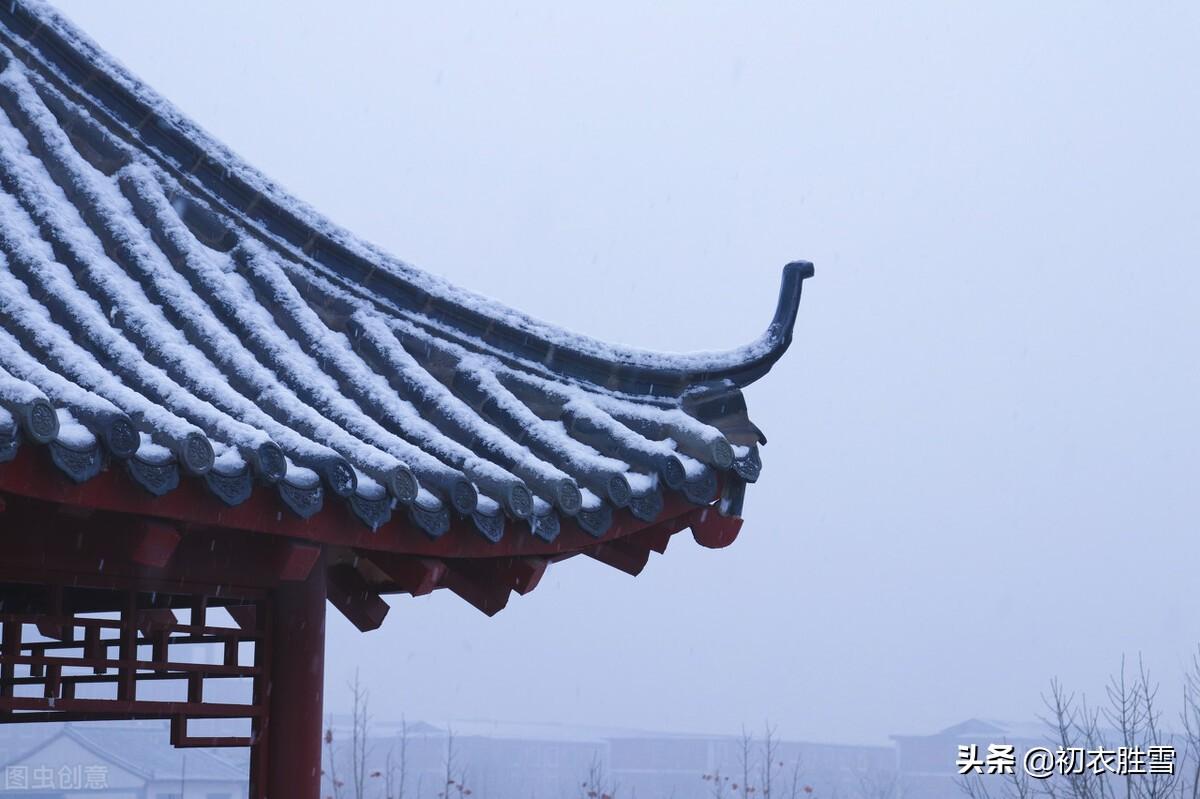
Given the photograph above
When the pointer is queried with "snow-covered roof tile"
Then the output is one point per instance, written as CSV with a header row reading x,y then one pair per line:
x,y
166,309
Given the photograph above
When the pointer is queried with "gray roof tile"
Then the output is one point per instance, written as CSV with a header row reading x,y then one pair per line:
x,y
190,320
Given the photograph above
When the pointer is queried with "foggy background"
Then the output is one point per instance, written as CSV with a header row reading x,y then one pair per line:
x,y
983,445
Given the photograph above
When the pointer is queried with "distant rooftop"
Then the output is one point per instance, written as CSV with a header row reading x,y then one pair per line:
x,y
995,728
139,748
552,731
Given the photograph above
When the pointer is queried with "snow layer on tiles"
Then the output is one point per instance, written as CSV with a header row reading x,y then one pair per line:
x,y
72,434
16,390
551,434
125,298
127,301
127,287
168,114
300,476
211,270
227,350
58,389
337,355
488,436
226,459
156,453
368,487
21,311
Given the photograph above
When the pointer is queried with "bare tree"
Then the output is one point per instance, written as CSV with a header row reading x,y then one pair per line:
x,y
1092,742
761,776
597,785
359,731
335,784
746,763
455,778
360,749
1073,726
796,786
396,765
879,784
1017,785
1137,718
770,758
1190,786
719,783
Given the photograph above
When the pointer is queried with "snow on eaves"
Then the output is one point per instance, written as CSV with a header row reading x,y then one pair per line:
x,y
144,322
415,280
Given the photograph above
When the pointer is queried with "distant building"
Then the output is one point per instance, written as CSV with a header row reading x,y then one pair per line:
x,y
665,766
496,760
926,763
103,761
548,761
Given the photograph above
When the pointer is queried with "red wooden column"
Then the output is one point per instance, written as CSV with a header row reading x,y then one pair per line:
x,y
294,688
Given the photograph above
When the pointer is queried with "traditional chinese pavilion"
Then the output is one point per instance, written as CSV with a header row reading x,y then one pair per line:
x,y
212,399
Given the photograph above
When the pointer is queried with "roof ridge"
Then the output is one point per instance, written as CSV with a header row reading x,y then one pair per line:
x,y
81,739
168,313
204,165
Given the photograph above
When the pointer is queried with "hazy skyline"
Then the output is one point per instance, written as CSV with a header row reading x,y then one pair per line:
x,y
983,444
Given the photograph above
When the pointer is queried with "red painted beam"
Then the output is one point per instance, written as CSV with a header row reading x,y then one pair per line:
x,y
632,553
416,576
487,584
128,708
153,544
89,544
244,616
357,601
31,474
108,544
713,530
181,740
154,620
212,742
621,555
656,537
23,574
44,624
487,598
132,665
295,561
525,573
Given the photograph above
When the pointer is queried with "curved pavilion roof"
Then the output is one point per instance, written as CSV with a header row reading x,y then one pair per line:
x,y
179,332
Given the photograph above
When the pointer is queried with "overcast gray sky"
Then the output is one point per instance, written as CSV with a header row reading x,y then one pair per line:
x,y
983,458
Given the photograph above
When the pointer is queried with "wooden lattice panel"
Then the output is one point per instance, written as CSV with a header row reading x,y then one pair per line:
x,y
70,654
